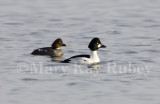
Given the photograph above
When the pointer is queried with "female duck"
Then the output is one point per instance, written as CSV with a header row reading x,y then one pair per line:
x,y
54,50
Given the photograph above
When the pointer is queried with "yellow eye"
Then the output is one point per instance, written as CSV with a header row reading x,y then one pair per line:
x,y
97,43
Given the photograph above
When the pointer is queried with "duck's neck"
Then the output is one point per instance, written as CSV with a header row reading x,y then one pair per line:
x,y
94,56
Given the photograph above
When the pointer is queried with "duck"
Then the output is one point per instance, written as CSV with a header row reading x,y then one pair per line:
x,y
93,58
53,51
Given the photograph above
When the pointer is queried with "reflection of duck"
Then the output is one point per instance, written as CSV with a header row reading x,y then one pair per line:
x,y
53,51
94,45
94,66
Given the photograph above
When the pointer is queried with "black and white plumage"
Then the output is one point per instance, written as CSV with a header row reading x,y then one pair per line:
x,y
54,51
94,45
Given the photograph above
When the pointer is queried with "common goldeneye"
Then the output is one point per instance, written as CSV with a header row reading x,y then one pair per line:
x,y
94,45
53,51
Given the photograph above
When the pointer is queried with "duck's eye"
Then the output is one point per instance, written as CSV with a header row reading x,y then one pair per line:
x,y
97,43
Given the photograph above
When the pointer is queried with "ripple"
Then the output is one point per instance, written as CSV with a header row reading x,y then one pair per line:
x,y
140,78
72,84
5,39
107,80
141,45
29,79
143,37
115,32
153,51
123,25
153,26
55,20
131,52
150,20
13,24
34,33
147,61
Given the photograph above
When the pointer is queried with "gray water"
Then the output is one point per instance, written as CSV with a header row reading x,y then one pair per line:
x,y
129,71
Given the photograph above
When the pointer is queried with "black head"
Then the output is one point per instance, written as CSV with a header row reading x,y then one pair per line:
x,y
58,43
95,44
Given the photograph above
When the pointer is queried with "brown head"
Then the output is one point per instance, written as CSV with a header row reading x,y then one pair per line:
x,y
58,43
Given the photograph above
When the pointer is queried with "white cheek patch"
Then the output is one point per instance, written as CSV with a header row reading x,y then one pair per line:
x,y
99,45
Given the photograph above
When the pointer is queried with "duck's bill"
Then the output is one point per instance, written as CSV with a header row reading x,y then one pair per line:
x,y
102,46
64,45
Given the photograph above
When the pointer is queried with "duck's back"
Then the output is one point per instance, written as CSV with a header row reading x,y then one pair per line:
x,y
43,51
76,59
48,51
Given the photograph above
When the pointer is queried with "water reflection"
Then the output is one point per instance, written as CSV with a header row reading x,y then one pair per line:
x,y
94,66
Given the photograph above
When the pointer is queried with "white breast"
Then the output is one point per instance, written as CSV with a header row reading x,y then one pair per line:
x,y
93,57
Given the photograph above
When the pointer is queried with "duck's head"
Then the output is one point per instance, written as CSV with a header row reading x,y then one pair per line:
x,y
95,44
58,43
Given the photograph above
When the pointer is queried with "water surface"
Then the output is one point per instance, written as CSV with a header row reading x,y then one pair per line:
x,y
129,70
